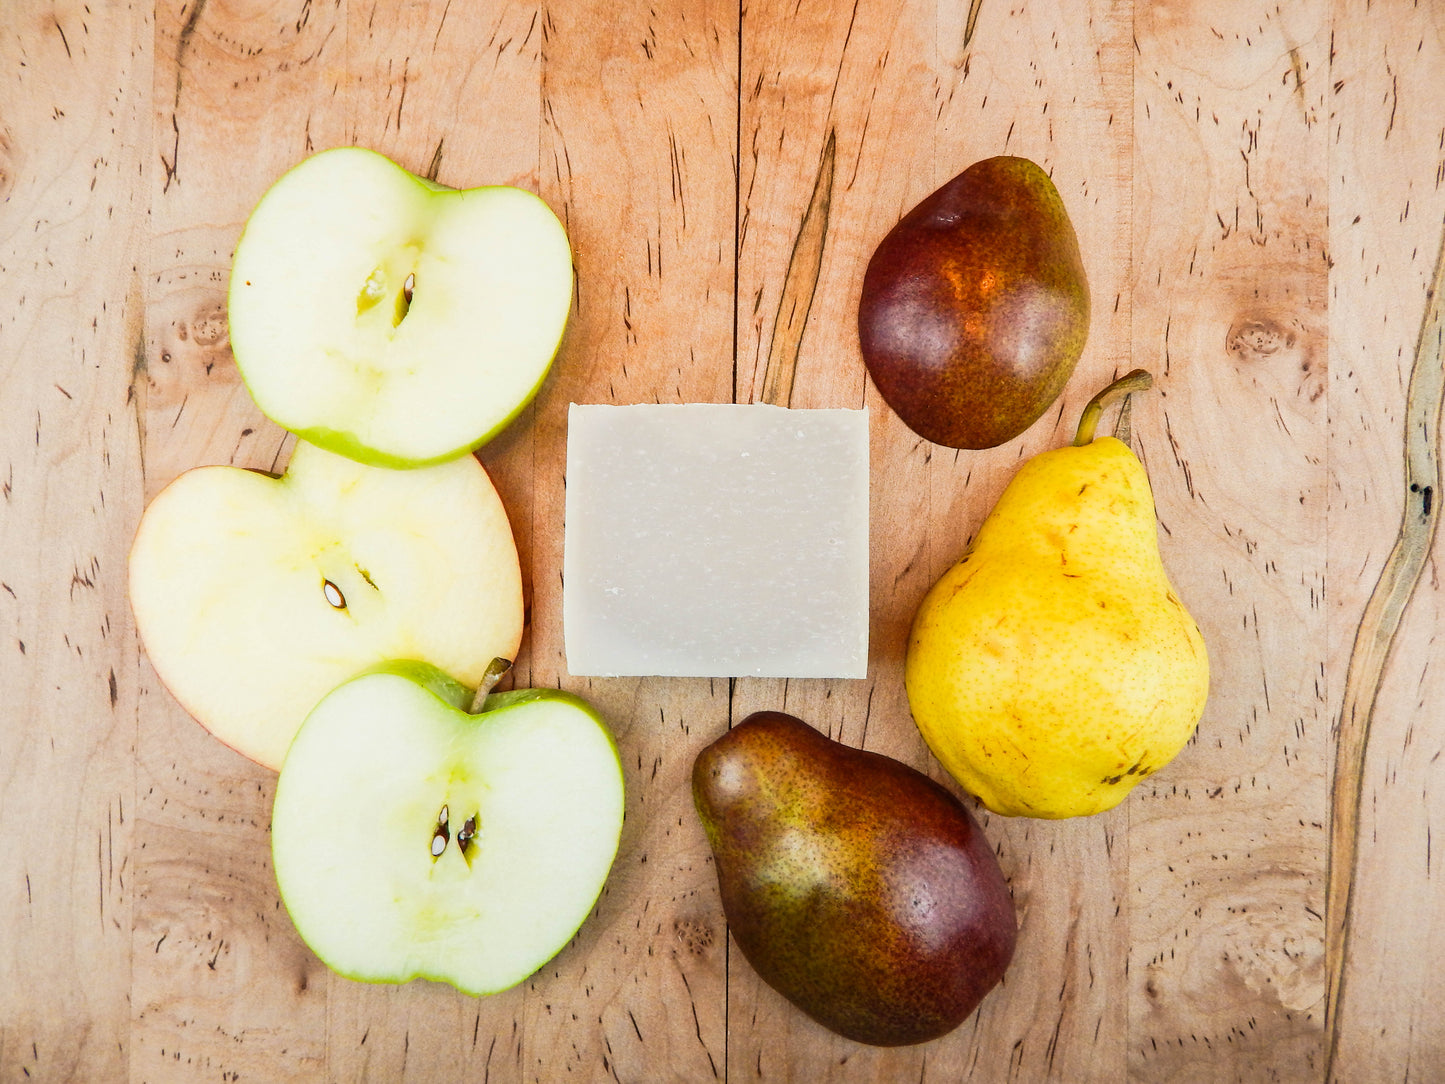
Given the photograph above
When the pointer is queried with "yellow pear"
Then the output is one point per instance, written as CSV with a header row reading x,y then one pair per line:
x,y
1054,667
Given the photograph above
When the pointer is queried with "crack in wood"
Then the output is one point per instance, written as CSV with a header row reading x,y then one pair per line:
x,y
799,284
63,39
137,395
1374,639
972,24
183,44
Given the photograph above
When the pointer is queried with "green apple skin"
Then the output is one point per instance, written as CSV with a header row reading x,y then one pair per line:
x,y
335,346
356,814
436,681
235,578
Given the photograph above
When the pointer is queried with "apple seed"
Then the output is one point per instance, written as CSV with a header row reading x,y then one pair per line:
x,y
333,594
403,300
467,834
442,834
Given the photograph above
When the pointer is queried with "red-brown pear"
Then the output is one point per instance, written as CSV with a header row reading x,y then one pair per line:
x,y
975,307
857,887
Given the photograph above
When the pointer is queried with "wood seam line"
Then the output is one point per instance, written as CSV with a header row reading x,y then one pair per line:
x,y
799,284
727,948
1374,639
1129,1010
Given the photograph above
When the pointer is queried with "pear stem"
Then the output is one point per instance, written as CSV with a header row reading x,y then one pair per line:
x,y
1138,380
495,669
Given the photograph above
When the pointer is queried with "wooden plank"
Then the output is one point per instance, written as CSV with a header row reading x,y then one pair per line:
x,y
1052,84
639,158
1386,908
1227,848
1235,172
808,182
889,103
451,92
74,132
222,985
810,168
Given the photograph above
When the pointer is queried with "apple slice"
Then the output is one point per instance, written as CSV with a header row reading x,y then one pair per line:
x,y
256,596
389,318
414,840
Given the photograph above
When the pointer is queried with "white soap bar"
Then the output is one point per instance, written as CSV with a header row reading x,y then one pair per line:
x,y
716,541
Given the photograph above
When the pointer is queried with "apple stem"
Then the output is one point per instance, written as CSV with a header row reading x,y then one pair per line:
x,y
1137,380
495,669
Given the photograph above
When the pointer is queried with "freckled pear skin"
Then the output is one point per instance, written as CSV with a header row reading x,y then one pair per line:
x,y
974,308
856,887
1054,667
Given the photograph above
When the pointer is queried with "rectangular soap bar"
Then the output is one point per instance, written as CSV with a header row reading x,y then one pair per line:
x,y
716,541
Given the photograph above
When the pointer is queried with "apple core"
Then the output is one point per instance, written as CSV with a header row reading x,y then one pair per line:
x,y
396,754
336,343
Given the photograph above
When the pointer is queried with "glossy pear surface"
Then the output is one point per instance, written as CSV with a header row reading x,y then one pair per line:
x,y
1054,667
857,887
975,307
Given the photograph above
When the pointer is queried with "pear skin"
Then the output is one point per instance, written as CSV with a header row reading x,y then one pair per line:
x,y
1054,667
857,887
974,308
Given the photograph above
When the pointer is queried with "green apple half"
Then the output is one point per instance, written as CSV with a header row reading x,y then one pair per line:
x,y
412,839
255,596
391,319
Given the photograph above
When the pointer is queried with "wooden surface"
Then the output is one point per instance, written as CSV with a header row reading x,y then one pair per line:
x,y
1257,190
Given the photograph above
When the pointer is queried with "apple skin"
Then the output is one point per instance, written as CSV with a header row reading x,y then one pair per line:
x,y
331,351
355,810
975,307
228,575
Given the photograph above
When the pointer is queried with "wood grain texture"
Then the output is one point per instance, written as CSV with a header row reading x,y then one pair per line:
x,y
74,133
452,92
810,166
1053,85
209,931
1228,847
639,156
1387,905
1375,641
1257,189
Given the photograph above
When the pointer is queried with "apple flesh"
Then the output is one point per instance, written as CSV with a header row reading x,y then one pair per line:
x,y
255,596
412,839
391,319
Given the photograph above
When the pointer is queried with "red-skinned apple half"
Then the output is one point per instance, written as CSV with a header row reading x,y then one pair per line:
x,y
256,596
413,839
391,319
